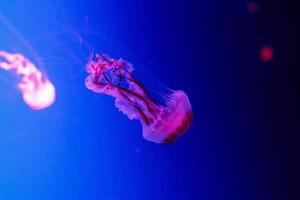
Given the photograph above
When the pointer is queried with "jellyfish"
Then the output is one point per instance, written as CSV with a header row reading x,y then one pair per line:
x,y
37,91
160,123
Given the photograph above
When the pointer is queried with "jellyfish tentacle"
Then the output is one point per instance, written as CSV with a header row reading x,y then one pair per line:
x,y
141,97
141,88
138,83
138,109
125,90
147,103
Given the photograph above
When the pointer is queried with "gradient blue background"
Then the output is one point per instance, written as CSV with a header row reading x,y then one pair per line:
x,y
243,143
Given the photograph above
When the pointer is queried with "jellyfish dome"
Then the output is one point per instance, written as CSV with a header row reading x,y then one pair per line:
x,y
161,124
41,97
173,120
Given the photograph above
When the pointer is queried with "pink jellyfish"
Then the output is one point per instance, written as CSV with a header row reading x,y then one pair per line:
x,y
161,124
37,91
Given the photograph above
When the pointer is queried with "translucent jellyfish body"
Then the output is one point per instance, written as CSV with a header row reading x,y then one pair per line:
x,y
37,91
161,124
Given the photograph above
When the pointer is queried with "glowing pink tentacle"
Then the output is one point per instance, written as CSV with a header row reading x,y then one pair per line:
x,y
152,108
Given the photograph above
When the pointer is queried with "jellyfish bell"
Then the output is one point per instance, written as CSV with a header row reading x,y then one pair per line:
x,y
41,97
161,124
175,118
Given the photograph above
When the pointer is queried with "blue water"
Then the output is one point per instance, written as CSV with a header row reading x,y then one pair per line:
x,y
83,148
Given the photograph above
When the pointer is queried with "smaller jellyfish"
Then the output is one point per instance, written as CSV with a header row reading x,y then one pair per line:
x,y
266,53
161,124
37,91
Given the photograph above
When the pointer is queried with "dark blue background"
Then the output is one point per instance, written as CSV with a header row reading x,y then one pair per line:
x,y
243,143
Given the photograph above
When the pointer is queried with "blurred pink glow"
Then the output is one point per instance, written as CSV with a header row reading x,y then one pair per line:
x,y
253,7
266,53
161,124
37,91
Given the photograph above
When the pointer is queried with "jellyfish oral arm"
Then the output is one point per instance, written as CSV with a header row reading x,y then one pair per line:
x,y
37,91
161,124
